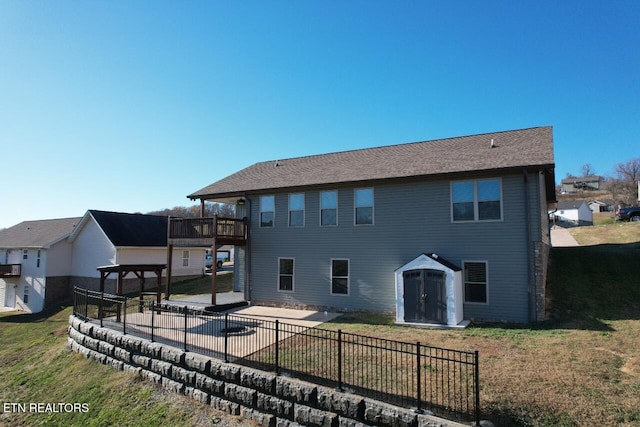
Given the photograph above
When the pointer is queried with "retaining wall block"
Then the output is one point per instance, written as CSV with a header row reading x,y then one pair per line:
x,y
76,336
105,348
74,322
225,371
204,382
172,385
140,360
90,343
384,414
172,355
131,343
244,395
348,422
314,417
199,395
297,391
197,363
99,357
262,419
114,363
160,367
151,349
259,380
99,333
183,375
429,420
348,405
113,337
136,370
282,422
274,405
151,376
225,406
85,328
122,354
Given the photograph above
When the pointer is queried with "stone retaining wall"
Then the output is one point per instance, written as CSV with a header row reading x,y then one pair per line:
x,y
264,397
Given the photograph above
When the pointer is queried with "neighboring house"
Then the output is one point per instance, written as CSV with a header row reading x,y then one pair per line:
x,y
34,263
40,261
108,238
438,232
573,212
585,183
601,205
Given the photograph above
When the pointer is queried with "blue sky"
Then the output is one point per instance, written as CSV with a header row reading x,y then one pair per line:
x,y
131,105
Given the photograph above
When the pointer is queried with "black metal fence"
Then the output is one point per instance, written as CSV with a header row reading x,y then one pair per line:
x,y
411,375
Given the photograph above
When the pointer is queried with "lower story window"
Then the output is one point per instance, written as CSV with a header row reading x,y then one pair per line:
x,y
475,282
25,297
340,277
285,274
185,258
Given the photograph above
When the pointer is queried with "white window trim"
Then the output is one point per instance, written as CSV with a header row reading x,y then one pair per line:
x,y
475,201
261,211
373,206
304,210
293,276
321,209
464,287
25,254
331,277
187,258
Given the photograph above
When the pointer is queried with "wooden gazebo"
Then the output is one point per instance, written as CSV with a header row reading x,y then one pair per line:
x,y
138,269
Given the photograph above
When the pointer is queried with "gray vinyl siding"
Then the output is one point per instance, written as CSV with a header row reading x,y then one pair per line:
x,y
410,219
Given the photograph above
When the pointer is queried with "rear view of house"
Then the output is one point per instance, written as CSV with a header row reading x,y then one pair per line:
x,y
34,263
437,232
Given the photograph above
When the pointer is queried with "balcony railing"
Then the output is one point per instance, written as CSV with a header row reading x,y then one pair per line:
x,y
205,230
10,270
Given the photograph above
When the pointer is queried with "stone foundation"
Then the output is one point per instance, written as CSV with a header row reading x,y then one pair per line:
x,y
264,397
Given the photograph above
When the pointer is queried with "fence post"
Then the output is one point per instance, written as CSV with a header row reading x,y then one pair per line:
x,y
124,315
86,304
226,337
419,377
477,387
185,328
153,312
339,359
277,348
100,308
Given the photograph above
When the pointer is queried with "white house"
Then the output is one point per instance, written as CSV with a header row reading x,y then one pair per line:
x,y
573,212
108,238
34,263
41,261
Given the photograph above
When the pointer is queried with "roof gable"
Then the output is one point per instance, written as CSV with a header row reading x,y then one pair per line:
x,y
510,150
124,229
40,233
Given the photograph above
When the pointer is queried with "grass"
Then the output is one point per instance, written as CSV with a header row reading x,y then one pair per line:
x,y
582,367
201,285
36,367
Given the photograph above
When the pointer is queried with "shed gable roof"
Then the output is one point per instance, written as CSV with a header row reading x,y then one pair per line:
x,y
38,234
513,149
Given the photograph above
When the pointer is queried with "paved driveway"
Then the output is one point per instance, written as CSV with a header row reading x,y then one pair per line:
x,y
561,237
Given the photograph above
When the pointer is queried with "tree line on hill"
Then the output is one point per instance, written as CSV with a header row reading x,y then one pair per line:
x,y
624,186
210,210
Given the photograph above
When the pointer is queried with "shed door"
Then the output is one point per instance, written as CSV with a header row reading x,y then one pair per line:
x,y
425,299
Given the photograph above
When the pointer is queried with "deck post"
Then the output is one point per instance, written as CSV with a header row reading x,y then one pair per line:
x,y
169,262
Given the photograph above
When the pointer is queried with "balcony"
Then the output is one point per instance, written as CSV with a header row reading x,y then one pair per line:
x,y
10,270
207,231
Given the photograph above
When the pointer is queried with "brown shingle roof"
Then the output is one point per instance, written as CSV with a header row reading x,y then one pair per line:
x,y
37,234
513,149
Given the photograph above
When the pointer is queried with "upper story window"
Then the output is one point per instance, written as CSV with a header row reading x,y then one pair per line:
x,y
38,259
25,254
475,282
339,277
363,206
296,210
267,211
478,200
285,274
329,208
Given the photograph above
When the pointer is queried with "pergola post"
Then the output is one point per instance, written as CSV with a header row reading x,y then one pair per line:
x,y
214,273
169,262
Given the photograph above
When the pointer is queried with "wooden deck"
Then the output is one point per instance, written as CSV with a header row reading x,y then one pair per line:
x,y
206,231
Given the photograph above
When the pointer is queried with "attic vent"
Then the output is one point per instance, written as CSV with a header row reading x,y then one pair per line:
x,y
276,164
493,144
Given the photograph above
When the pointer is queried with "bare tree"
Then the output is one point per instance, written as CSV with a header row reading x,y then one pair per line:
x,y
624,187
587,170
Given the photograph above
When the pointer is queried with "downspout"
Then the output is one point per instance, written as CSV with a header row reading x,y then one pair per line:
x,y
247,252
530,283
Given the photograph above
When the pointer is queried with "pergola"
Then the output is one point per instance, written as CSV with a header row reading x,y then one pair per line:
x,y
138,270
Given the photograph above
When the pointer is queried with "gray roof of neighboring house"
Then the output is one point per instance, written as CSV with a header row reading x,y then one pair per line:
x,y
570,204
37,234
575,179
532,147
125,229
